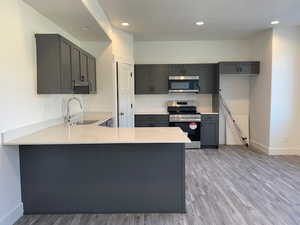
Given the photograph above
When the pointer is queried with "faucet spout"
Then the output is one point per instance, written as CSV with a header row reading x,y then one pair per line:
x,y
68,116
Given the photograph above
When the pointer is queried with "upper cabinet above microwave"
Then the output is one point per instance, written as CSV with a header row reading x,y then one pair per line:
x,y
250,68
154,78
63,67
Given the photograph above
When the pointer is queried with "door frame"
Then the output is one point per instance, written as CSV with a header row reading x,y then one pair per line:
x,y
116,61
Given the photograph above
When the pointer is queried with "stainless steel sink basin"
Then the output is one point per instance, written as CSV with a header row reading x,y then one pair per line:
x,y
85,122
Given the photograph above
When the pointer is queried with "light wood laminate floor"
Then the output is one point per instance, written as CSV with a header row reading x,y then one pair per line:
x,y
230,186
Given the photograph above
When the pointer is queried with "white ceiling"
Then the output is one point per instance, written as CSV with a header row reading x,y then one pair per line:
x,y
72,16
154,20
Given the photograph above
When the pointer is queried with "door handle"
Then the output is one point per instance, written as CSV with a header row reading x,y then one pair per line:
x,y
122,114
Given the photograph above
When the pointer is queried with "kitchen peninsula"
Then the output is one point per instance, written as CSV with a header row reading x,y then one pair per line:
x,y
95,169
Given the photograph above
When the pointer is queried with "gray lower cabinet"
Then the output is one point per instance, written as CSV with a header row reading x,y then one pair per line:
x,y
149,120
239,67
210,131
61,64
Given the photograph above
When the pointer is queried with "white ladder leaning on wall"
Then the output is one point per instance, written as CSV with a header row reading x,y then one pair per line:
x,y
229,118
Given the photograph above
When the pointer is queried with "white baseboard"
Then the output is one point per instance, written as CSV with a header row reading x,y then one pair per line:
x,y
12,216
284,151
275,151
260,147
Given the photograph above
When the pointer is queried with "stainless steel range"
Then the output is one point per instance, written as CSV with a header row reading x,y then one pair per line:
x,y
184,114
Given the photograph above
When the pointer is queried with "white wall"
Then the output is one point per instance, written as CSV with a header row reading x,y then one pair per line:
x,y
190,51
103,100
285,108
121,45
20,105
157,104
195,52
260,91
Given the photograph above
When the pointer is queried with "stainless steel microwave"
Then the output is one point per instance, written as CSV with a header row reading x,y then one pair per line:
x,y
183,84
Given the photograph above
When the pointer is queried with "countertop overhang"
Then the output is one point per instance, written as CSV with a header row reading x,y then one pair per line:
x,y
94,134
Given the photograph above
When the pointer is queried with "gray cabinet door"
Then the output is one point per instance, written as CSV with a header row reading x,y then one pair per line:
x,y
229,68
239,67
249,67
208,79
66,68
158,78
48,64
76,73
92,75
83,67
177,70
151,79
210,131
142,79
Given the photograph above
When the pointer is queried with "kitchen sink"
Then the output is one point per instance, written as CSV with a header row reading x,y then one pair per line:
x,y
86,122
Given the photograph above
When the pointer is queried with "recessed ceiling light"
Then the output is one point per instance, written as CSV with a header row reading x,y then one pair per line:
x,y
124,24
199,23
275,22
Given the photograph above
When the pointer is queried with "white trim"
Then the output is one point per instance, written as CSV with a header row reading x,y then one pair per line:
x,y
30,129
284,151
260,147
13,215
274,150
123,60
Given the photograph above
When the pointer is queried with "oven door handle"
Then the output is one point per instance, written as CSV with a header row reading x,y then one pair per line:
x,y
184,120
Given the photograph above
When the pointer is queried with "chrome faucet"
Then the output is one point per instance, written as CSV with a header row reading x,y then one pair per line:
x,y
68,116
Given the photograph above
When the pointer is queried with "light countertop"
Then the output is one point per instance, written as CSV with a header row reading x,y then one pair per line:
x,y
94,134
209,113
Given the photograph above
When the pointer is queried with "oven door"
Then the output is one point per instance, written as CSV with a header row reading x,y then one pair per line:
x,y
183,84
193,131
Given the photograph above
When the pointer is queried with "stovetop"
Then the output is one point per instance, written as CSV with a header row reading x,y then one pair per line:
x,y
182,103
184,113
182,107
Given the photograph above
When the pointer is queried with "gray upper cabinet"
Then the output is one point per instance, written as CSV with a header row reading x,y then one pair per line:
x,y
66,68
208,78
207,75
61,64
92,74
177,70
83,67
151,79
76,71
239,67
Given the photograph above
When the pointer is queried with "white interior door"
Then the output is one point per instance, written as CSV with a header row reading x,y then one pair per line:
x,y
125,95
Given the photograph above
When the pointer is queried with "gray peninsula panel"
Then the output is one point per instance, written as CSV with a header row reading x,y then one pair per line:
x,y
112,178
